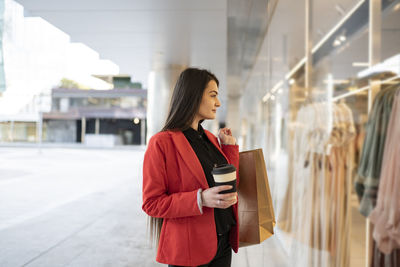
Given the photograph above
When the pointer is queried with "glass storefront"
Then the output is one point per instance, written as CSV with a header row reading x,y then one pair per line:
x,y
313,136
18,131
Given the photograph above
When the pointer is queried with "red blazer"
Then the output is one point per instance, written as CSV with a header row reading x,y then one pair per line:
x,y
172,175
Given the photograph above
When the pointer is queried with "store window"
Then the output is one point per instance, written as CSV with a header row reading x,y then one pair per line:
x,y
314,137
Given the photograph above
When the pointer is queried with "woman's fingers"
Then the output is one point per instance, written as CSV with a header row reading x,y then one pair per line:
x,y
220,188
226,200
223,204
228,196
212,198
226,131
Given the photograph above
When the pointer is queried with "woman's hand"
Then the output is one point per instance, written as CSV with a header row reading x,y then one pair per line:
x,y
225,135
212,199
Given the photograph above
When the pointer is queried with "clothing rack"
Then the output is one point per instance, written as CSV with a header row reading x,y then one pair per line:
x,y
364,88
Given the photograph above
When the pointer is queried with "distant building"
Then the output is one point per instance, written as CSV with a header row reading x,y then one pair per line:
x,y
97,117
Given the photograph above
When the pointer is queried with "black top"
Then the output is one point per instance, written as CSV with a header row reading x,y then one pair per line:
x,y
208,156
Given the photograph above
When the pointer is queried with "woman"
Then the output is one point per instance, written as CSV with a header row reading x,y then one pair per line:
x,y
199,226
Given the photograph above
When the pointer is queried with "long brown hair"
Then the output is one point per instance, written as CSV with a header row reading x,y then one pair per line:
x,y
186,98
184,105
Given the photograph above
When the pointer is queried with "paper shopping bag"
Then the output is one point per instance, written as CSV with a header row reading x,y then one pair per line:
x,y
256,213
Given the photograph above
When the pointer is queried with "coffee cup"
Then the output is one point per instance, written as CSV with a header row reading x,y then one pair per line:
x,y
225,175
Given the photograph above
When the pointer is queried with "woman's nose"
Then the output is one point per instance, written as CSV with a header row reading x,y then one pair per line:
x,y
217,103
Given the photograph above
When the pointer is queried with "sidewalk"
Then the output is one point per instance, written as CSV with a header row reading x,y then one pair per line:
x,y
82,207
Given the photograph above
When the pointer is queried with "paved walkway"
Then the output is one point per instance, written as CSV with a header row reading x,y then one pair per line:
x,y
82,207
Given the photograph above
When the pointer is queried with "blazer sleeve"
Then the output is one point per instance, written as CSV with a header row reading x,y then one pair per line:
x,y
157,202
232,153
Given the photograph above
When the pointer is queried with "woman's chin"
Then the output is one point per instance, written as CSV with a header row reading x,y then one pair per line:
x,y
210,117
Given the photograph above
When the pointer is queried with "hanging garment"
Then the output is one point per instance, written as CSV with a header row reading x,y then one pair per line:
x,y
369,169
386,214
380,259
317,210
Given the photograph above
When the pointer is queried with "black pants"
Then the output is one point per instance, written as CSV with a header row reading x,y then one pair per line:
x,y
223,258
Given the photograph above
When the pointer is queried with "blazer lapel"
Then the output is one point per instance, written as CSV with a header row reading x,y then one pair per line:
x,y
189,156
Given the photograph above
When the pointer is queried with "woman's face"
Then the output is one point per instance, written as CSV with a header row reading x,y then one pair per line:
x,y
209,102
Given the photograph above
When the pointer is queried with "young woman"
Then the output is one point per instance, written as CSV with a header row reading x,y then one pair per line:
x,y
199,226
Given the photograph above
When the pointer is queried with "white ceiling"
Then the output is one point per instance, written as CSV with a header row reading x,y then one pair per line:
x,y
139,35
224,36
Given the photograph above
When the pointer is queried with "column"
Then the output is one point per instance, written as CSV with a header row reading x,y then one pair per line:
x,y
233,118
161,83
308,39
374,56
374,44
97,126
83,129
143,132
11,132
39,128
